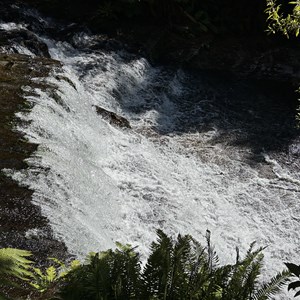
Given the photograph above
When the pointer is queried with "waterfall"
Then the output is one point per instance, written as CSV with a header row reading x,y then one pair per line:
x,y
175,169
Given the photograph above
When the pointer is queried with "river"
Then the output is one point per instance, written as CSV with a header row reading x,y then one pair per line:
x,y
201,153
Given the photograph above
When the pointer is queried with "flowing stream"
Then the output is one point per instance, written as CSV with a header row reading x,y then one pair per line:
x,y
177,168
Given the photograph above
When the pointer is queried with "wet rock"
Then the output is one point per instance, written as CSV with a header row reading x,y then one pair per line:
x,y
18,214
294,148
101,42
112,117
21,37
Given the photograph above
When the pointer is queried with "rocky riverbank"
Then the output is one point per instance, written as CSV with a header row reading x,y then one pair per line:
x,y
21,223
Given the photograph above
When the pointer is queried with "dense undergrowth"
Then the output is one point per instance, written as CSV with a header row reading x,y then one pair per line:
x,y
180,269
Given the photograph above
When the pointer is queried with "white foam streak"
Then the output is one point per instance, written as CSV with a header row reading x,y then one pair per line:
x,y
12,26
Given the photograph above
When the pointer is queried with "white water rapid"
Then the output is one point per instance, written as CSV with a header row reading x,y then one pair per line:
x,y
98,183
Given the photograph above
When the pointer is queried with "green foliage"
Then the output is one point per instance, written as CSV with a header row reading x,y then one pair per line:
x,y
43,280
105,275
278,22
14,263
181,269
286,24
48,282
176,269
272,287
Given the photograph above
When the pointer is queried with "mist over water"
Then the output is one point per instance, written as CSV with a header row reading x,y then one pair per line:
x,y
175,169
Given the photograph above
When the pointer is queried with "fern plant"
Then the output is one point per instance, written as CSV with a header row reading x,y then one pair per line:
x,y
47,283
106,275
180,269
186,270
244,284
14,263
41,281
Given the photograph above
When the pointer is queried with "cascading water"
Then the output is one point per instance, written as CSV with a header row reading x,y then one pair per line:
x,y
98,183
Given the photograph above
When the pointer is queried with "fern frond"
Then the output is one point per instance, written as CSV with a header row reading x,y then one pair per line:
x,y
213,259
15,262
273,286
244,275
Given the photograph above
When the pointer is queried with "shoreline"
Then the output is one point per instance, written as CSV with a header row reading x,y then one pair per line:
x,y
17,212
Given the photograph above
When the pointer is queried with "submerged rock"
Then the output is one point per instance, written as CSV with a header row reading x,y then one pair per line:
x,y
112,117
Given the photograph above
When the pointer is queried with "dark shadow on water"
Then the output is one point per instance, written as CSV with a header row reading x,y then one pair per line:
x,y
256,113
259,114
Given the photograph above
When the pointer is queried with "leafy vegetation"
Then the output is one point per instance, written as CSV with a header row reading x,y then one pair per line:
x,y
279,22
42,281
287,23
14,263
180,269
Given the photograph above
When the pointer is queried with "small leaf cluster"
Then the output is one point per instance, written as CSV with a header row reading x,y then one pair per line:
x,y
278,22
14,263
44,280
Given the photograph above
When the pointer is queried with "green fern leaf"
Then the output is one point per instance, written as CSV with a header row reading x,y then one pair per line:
x,y
51,274
273,286
15,262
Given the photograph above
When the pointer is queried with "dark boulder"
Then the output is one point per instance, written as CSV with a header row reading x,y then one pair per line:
x,y
25,38
112,117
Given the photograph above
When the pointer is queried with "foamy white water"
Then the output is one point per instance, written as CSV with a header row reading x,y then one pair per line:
x,y
98,183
